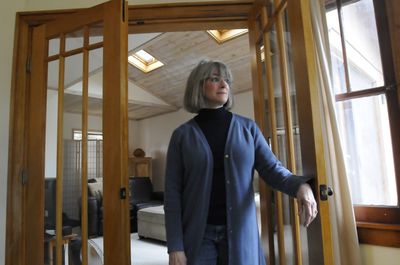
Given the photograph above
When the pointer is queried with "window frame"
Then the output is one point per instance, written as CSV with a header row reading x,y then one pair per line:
x,y
378,225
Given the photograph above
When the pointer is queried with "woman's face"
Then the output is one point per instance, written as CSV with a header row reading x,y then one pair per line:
x,y
216,90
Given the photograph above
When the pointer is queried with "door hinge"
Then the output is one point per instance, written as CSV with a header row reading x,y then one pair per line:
x,y
24,177
29,64
122,193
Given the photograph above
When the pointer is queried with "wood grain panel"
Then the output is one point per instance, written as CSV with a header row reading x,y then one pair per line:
x,y
17,146
191,10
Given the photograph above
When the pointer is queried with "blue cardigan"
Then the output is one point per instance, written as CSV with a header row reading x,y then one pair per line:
x,y
188,180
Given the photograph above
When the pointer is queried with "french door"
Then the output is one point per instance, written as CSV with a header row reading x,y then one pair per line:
x,y
78,67
282,70
286,109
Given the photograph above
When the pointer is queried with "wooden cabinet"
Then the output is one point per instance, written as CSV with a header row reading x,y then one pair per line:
x,y
139,167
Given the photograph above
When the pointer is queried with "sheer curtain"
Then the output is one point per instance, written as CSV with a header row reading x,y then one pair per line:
x,y
344,231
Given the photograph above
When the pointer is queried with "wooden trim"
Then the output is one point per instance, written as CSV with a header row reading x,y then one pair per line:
x,y
17,146
33,199
392,11
287,113
154,18
185,25
278,11
74,21
310,124
271,118
60,151
344,49
360,93
146,13
266,193
383,215
84,179
379,234
388,68
115,143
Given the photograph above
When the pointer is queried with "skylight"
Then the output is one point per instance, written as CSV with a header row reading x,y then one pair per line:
x,y
224,35
144,61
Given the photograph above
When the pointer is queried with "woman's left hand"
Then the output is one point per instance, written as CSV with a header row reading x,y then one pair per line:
x,y
306,203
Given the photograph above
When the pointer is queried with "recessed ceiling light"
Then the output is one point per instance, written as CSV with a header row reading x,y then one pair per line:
x,y
144,61
226,34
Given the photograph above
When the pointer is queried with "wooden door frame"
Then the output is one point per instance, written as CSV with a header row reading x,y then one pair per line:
x,y
148,18
27,128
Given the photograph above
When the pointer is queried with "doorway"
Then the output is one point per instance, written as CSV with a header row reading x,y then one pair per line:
x,y
142,19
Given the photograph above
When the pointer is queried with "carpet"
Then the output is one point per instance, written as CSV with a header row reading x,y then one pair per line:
x,y
143,251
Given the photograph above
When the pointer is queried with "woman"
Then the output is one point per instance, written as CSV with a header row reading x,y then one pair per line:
x,y
210,212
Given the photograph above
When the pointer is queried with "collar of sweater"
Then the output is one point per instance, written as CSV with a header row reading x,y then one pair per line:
x,y
212,114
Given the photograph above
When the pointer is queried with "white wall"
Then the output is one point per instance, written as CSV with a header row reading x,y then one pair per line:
x,y
371,254
153,134
71,121
375,255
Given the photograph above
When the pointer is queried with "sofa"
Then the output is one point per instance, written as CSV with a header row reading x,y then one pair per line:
x,y
141,195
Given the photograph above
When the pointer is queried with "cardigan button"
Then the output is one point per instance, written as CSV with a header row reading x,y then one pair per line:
x,y
226,156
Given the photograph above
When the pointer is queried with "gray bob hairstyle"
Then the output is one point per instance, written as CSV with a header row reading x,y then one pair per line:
x,y
194,99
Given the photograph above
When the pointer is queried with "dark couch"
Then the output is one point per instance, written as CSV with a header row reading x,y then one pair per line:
x,y
141,195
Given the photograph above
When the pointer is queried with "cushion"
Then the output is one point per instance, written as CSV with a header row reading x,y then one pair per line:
x,y
96,190
152,214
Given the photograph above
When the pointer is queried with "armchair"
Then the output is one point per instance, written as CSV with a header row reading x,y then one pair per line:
x,y
142,196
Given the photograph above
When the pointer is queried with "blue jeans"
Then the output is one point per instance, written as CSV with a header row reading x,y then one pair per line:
x,y
214,248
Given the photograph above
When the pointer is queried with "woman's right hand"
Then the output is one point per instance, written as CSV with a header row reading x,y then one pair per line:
x,y
177,258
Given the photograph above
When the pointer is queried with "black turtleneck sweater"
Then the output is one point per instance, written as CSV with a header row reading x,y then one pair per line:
x,y
215,126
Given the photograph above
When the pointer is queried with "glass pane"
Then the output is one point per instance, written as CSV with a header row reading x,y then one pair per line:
x,y
72,158
294,130
268,129
95,156
72,120
297,148
54,46
74,40
281,151
50,161
280,122
96,33
367,147
335,44
362,46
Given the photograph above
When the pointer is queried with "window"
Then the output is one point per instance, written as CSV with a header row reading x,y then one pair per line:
x,y
92,135
365,117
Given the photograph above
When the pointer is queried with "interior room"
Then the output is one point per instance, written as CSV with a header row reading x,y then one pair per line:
x,y
155,109
365,63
